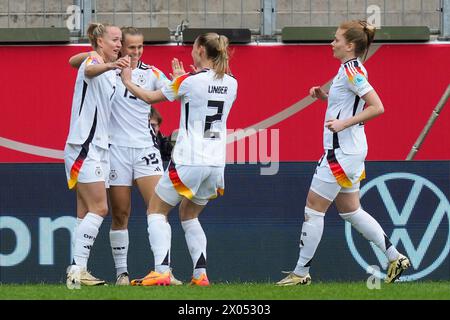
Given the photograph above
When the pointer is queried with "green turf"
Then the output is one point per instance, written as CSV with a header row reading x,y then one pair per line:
x,y
234,291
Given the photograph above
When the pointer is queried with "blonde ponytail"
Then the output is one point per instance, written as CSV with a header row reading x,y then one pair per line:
x,y
95,31
217,50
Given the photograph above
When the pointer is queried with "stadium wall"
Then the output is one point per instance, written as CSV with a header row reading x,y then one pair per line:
x,y
253,230
37,87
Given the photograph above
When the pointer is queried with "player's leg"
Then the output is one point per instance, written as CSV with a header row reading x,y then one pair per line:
x,y
75,282
159,231
349,208
146,186
195,238
87,279
206,183
311,234
81,213
120,181
120,199
159,235
94,196
168,193
148,170
86,166
320,196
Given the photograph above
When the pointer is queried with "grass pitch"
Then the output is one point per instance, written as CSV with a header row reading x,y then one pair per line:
x,y
426,290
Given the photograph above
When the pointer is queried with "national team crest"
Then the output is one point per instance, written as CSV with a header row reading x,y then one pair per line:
x,y
141,80
98,171
113,175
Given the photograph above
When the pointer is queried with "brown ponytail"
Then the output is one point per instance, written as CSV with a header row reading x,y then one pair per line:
x,y
216,47
132,31
360,33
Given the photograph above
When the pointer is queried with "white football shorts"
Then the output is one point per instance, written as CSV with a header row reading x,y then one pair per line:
x,y
86,163
196,183
129,164
338,172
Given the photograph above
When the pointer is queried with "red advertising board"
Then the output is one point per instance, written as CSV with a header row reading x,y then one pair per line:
x,y
37,87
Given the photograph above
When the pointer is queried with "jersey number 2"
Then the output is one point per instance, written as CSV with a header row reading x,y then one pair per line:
x,y
209,120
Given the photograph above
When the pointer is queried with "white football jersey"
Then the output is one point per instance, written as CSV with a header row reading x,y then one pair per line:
x,y
91,107
205,105
129,116
344,101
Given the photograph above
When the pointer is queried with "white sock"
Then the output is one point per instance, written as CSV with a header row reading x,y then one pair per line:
x,y
73,238
312,231
119,245
196,242
84,238
365,224
169,238
158,236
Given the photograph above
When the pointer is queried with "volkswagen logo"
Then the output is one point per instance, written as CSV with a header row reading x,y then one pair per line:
x,y
415,250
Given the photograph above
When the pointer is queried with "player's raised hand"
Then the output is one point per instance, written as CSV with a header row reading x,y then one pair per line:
x,y
317,93
122,63
194,68
177,68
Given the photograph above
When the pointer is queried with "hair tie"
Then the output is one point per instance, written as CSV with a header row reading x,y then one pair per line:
x,y
364,25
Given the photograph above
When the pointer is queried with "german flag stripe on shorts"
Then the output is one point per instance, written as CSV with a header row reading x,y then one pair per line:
x,y
219,192
75,170
337,170
339,173
76,167
177,183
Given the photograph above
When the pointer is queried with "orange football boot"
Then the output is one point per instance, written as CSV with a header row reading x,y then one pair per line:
x,y
201,281
153,279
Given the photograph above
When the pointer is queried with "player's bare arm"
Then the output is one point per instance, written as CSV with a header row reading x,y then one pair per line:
x,y
146,95
94,70
76,60
374,108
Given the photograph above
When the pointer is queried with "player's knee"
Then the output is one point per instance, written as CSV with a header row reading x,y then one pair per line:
x,y
190,210
310,202
313,215
184,212
187,215
100,209
120,218
317,203
347,202
347,207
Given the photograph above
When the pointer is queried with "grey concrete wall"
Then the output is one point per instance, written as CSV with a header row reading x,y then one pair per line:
x,y
332,12
33,13
219,13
